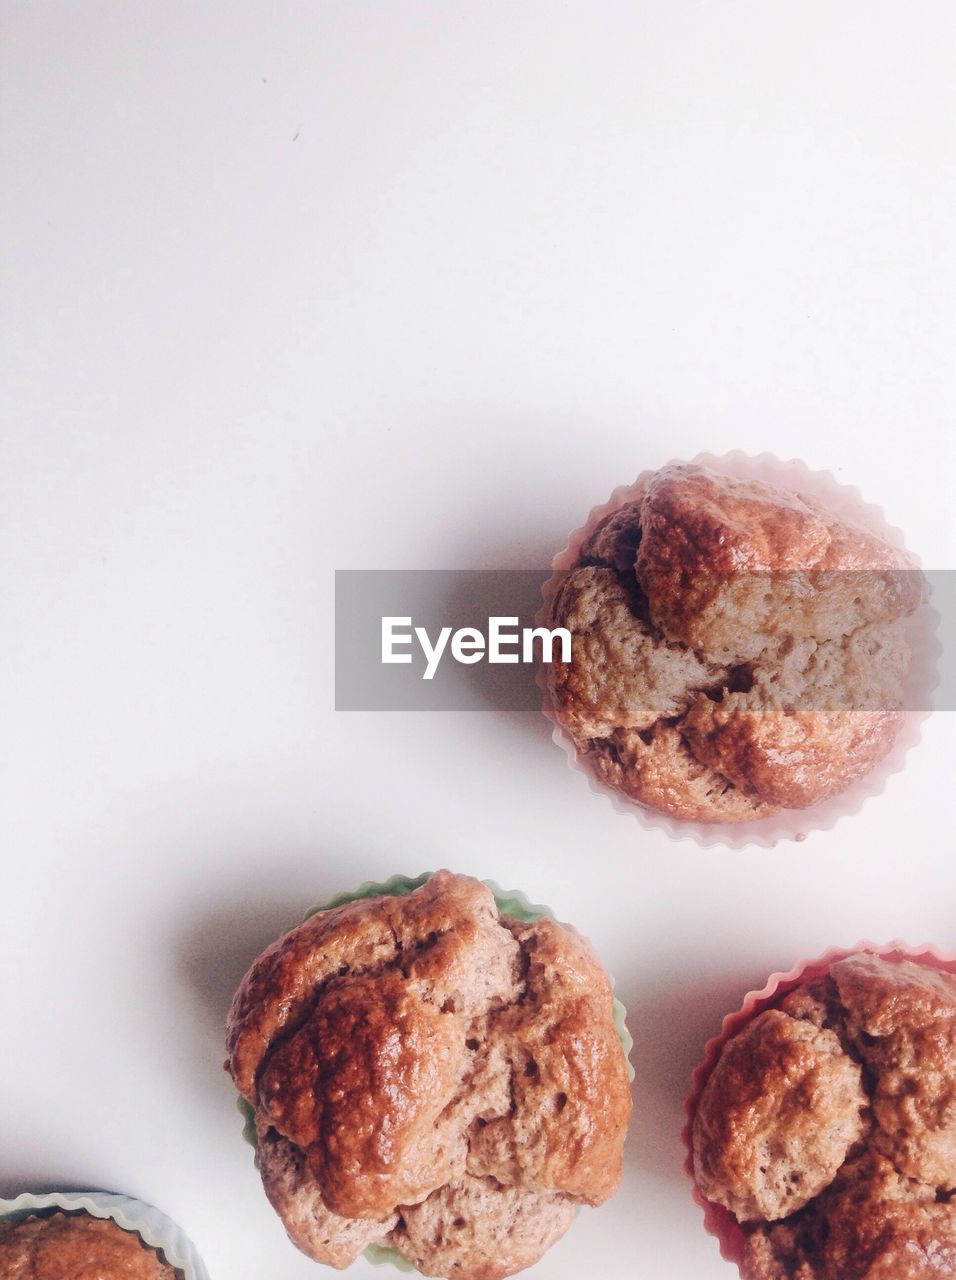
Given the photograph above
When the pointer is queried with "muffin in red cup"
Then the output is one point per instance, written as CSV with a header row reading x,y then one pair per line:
x,y
821,1129
751,649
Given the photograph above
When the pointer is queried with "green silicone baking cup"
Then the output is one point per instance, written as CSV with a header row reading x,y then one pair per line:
x,y
510,902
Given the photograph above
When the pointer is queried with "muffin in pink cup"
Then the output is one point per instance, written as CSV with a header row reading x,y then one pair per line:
x,y
751,649
821,1134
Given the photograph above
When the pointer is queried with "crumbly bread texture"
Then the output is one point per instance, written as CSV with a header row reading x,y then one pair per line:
x,y
73,1246
431,1075
871,1224
736,649
828,1127
779,1114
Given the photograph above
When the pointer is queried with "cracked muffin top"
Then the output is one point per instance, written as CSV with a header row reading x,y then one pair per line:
x,y
736,649
828,1127
72,1246
429,1074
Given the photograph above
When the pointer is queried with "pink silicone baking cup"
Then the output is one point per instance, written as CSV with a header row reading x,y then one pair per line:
x,y
718,1221
790,824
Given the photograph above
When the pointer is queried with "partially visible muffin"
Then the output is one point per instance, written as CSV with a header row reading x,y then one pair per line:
x,y
736,649
72,1246
432,1075
828,1127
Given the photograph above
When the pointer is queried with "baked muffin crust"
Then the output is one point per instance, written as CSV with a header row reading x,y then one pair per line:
x,y
872,1224
429,1074
736,649
71,1246
879,1203
777,1118
729,566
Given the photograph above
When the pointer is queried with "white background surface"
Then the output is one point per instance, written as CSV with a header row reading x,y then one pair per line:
x,y
298,287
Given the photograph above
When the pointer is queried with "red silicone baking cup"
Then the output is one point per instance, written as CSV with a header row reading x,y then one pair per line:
x,y
790,824
718,1221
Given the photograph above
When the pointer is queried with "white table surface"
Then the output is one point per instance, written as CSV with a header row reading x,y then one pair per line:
x,y
298,287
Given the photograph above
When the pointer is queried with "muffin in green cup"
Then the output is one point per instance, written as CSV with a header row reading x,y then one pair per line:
x,y
435,1073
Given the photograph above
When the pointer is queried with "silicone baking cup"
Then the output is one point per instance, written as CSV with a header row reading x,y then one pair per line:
x,y
718,1221
510,902
154,1228
790,824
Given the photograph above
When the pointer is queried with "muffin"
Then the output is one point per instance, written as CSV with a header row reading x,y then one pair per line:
x,y
827,1127
737,649
65,1246
433,1075
69,1235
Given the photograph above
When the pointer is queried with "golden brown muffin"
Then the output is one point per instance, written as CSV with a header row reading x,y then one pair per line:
x,y
828,1127
736,649
429,1074
77,1246
871,1224
779,1114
